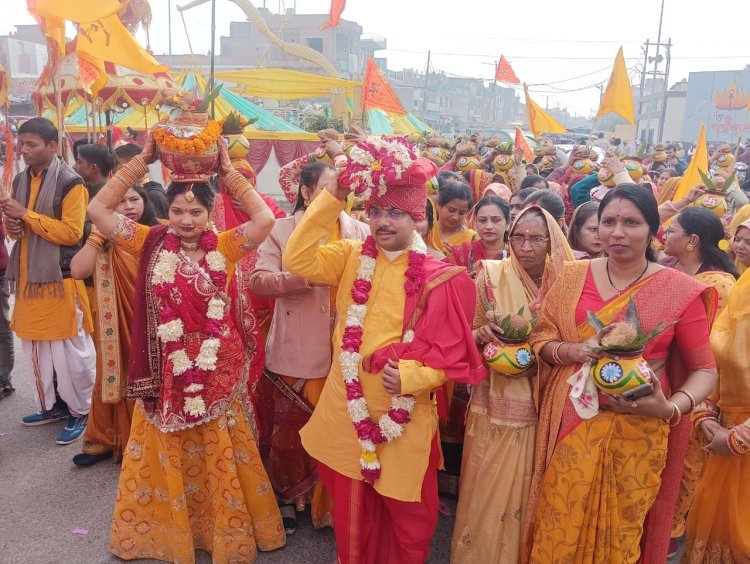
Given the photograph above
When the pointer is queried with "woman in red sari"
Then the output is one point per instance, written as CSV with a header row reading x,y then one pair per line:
x,y
191,473
491,221
606,481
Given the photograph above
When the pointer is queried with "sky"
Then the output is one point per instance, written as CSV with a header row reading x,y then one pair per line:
x,y
560,50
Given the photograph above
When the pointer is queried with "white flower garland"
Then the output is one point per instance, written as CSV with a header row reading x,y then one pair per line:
x,y
350,362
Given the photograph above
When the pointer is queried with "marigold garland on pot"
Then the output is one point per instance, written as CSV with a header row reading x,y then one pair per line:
x,y
193,145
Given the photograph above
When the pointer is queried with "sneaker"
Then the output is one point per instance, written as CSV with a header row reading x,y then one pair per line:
x,y
44,417
74,428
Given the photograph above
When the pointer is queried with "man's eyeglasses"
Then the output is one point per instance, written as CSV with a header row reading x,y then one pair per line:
x,y
535,241
392,213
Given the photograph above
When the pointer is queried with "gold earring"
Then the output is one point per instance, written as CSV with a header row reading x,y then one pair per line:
x,y
690,248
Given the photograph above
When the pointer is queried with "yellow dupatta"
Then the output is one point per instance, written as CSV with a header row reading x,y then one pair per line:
x,y
434,238
723,282
740,219
718,530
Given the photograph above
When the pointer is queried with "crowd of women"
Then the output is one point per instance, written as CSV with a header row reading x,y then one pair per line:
x,y
539,477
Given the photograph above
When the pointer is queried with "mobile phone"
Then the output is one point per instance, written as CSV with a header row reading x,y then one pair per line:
x,y
639,392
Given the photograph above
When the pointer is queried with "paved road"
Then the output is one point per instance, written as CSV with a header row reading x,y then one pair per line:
x,y
44,496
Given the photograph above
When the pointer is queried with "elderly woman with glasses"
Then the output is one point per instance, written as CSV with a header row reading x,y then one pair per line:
x,y
502,417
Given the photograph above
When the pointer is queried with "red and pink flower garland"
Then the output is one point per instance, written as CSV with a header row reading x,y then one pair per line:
x,y
391,425
170,331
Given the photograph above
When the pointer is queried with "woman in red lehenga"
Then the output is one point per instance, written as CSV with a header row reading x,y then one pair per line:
x,y
255,312
191,474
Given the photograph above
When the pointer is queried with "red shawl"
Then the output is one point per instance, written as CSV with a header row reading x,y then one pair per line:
x,y
441,316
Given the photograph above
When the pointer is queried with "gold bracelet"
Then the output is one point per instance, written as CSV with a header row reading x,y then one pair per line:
x,y
675,408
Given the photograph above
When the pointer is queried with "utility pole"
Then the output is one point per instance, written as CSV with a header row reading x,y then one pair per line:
x,y
640,90
169,25
426,77
663,115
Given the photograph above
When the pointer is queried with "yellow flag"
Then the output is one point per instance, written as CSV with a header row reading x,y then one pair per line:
x,y
692,178
618,97
52,27
539,120
108,40
78,11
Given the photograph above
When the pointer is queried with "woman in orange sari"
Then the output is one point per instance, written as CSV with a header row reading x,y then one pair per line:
x,y
719,530
501,423
605,482
114,273
191,474
692,246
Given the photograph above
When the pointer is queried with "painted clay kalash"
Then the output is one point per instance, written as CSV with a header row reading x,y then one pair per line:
x,y
510,352
622,370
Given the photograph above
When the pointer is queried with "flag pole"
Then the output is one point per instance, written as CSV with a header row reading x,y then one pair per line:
x,y
213,55
494,85
742,131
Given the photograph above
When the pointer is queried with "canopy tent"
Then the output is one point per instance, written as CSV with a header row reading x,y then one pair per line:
x,y
384,113
284,84
266,126
388,123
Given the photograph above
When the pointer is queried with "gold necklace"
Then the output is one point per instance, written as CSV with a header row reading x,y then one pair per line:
x,y
189,247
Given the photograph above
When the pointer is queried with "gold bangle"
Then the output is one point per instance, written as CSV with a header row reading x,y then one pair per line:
x,y
555,356
675,408
96,240
132,172
689,396
235,183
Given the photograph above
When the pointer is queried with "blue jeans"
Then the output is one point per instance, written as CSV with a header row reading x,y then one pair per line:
x,y
7,355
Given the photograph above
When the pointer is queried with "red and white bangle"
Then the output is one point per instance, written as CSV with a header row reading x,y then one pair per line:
x,y
689,396
736,445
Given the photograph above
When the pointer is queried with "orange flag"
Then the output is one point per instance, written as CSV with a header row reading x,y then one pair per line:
x,y
504,72
91,72
377,93
337,7
520,141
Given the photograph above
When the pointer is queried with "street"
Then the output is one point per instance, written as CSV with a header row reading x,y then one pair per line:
x,y
44,497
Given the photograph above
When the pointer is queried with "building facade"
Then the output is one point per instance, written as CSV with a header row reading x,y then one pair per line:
x,y
720,100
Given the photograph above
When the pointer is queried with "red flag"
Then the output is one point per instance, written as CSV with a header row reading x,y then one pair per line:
x,y
377,93
337,7
520,142
504,72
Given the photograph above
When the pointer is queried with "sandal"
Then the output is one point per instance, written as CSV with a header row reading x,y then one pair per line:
x,y
6,392
289,518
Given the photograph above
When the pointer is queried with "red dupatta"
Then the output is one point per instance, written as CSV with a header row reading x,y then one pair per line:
x,y
440,315
150,376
